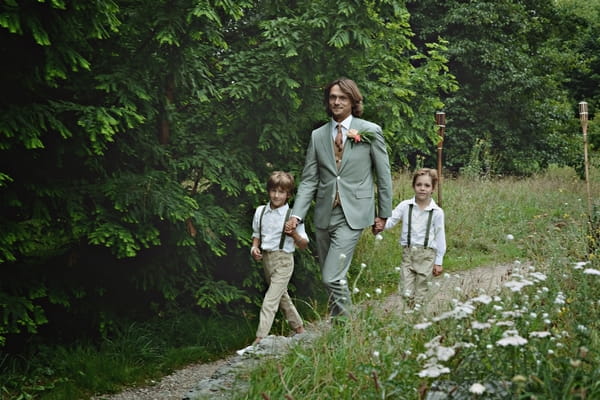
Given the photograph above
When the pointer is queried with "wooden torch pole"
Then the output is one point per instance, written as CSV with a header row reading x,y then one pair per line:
x,y
440,120
583,117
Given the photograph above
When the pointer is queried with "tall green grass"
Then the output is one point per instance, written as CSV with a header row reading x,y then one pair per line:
x,y
539,340
136,354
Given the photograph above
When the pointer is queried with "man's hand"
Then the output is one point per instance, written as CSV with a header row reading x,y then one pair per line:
x,y
379,225
437,270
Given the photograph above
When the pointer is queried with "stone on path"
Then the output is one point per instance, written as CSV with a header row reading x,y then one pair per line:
x,y
222,382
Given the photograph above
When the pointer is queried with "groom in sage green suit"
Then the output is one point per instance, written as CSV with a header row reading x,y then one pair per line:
x,y
346,158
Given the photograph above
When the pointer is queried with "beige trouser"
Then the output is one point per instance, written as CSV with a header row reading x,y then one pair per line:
x,y
417,270
278,267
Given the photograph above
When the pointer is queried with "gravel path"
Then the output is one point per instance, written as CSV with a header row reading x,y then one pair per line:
x,y
214,380
171,387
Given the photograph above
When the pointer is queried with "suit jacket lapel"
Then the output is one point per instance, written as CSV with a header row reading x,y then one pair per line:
x,y
355,124
327,142
346,154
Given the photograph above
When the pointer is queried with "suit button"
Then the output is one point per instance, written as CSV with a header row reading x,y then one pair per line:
x,y
339,177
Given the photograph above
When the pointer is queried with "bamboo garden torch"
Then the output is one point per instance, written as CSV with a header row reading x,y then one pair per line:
x,y
440,120
583,117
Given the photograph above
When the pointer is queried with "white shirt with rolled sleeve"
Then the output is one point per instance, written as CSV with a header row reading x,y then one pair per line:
x,y
273,221
437,233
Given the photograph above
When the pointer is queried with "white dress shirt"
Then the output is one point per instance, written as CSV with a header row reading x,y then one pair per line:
x,y
273,221
437,234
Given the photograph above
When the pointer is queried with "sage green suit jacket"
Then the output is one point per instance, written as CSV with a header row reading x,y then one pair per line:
x,y
362,165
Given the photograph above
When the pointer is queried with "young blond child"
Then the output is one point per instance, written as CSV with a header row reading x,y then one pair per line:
x,y
423,237
275,246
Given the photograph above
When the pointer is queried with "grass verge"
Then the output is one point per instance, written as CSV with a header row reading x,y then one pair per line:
x,y
536,338
135,355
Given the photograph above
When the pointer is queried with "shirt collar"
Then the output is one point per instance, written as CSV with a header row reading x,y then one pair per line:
x,y
345,123
280,210
431,206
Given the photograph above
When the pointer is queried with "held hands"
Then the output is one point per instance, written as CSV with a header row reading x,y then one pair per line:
x,y
379,225
437,270
290,230
290,225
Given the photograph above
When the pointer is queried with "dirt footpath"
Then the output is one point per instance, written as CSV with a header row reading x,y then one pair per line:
x,y
215,380
460,285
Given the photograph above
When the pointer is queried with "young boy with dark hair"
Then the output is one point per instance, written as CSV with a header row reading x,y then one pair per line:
x,y
275,246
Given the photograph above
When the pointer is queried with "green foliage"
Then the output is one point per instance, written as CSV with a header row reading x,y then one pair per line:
x,y
219,292
136,141
514,61
480,163
581,21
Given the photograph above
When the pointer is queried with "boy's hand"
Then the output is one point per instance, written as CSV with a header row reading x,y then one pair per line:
x,y
437,270
256,253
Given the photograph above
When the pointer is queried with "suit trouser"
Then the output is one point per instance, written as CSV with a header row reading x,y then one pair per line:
x,y
416,270
335,247
278,267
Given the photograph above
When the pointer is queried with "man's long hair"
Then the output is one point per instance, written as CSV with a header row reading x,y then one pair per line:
x,y
349,87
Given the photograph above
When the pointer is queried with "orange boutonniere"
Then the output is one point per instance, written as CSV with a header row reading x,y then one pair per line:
x,y
359,137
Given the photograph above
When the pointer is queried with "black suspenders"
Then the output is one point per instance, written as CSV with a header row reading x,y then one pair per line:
x,y
410,208
287,216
